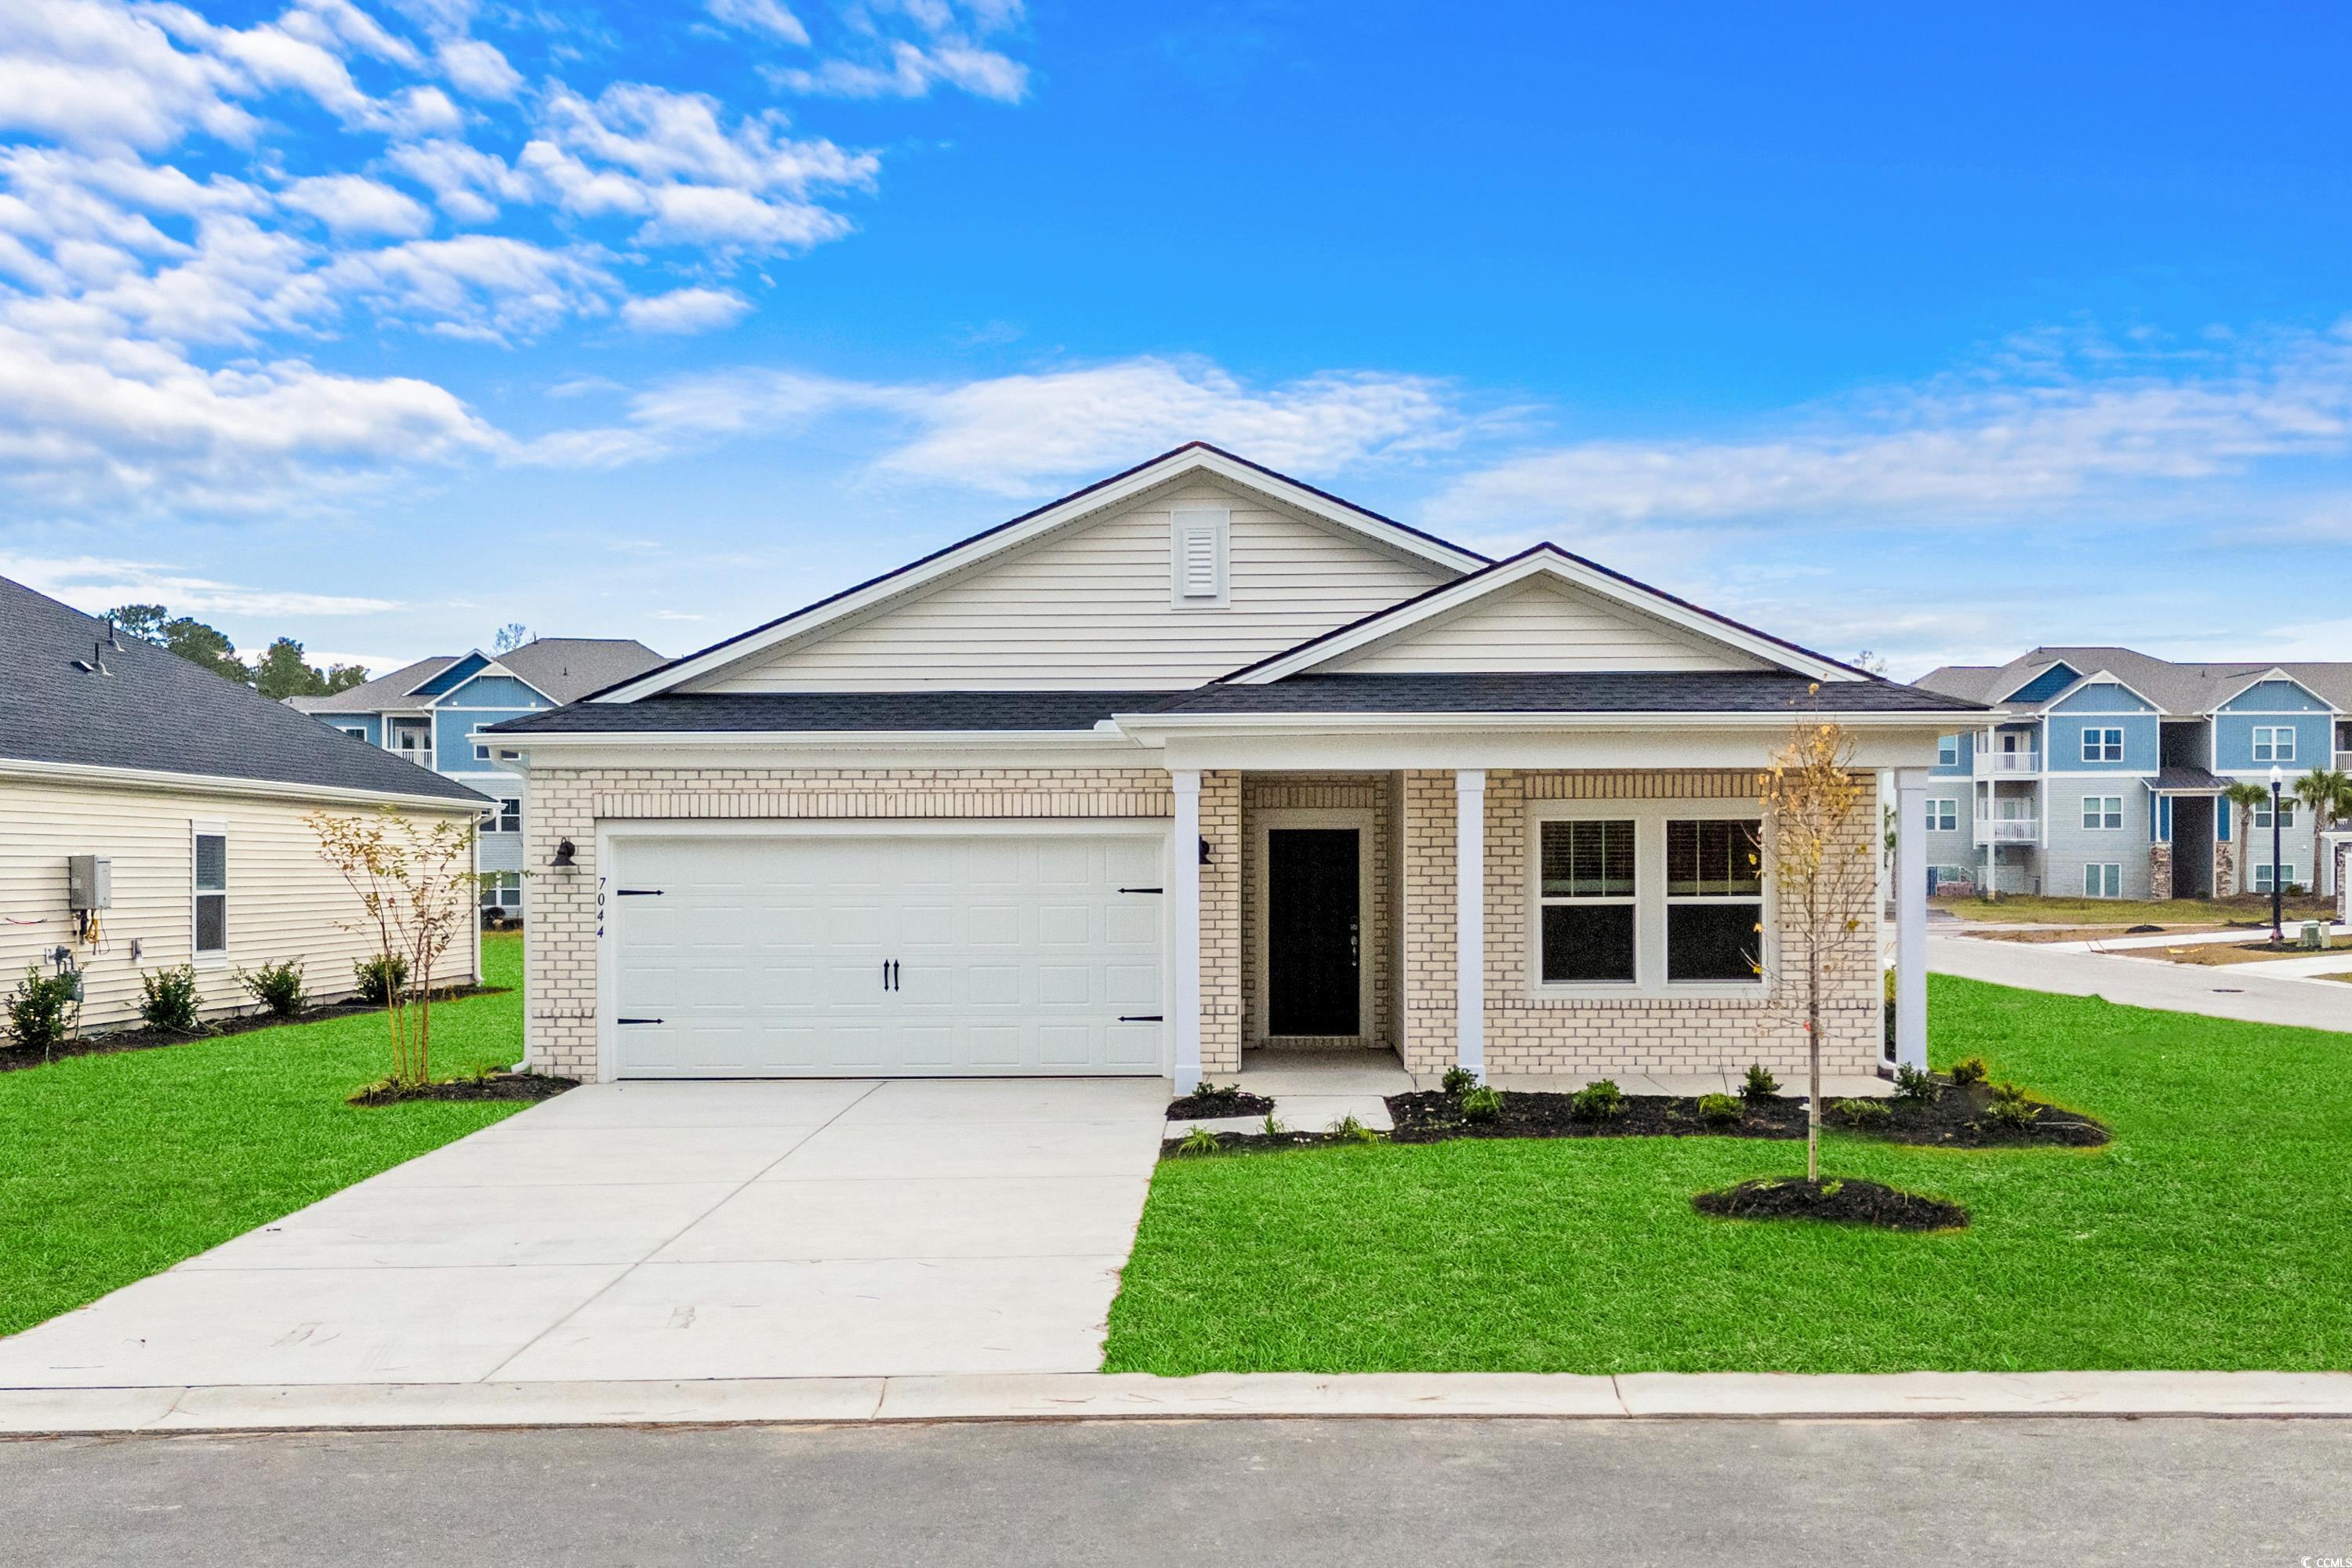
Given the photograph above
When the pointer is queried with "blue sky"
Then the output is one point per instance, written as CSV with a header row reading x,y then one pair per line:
x,y
383,324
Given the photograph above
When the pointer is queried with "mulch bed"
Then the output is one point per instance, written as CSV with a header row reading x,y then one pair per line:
x,y
1956,1119
490,1086
16,1059
1256,1143
1837,1202
1209,1100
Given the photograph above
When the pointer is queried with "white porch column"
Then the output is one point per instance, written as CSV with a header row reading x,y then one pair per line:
x,y
1184,887
1911,917
1470,919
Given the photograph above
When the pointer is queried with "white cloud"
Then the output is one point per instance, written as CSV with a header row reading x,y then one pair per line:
x,y
684,311
96,583
355,204
479,69
93,74
476,285
2053,419
759,16
468,182
911,70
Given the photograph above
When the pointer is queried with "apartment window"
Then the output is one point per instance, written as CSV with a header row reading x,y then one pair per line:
x,y
356,732
1948,751
1714,900
211,892
2286,877
2103,745
2103,811
2285,815
504,817
2103,881
1198,542
481,753
2273,742
1586,895
1944,816
502,891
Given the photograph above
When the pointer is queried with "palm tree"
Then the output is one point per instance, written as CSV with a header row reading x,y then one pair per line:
x,y
2246,796
2327,794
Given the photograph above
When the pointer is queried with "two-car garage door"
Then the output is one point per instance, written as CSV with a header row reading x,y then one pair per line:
x,y
914,955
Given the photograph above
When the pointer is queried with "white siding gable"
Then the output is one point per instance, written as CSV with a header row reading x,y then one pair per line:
x,y
1543,625
1098,604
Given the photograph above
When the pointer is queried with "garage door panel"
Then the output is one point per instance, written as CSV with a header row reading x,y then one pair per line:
x,y
1015,953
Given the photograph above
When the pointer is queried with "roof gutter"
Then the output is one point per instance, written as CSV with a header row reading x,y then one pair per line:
x,y
1140,724
214,784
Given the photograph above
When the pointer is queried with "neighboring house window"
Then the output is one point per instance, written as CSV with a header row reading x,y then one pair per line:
x,y
2286,877
481,753
2286,815
1198,543
2103,811
1714,900
2103,881
502,891
2273,742
2103,745
1944,816
504,817
1587,896
1948,751
211,912
356,732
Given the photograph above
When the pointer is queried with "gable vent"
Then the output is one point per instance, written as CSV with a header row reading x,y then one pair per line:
x,y
1198,556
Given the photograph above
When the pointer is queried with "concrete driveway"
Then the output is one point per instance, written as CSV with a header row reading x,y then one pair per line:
x,y
670,1231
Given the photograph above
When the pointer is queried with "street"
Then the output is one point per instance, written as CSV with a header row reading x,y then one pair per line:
x,y
1352,1493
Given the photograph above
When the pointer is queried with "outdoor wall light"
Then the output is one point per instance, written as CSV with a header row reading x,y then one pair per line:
x,y
563,861
1205,853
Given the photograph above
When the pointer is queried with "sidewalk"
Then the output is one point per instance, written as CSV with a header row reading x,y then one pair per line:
x,y
2223,992
1128,1397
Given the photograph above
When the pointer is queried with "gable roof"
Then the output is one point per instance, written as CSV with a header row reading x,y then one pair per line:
x,y
1192,458
155,713
2182,690
561,670
1548,561
375,696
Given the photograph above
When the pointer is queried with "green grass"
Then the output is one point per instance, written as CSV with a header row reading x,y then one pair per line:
x,y
2033,908
2212,1232
112,1167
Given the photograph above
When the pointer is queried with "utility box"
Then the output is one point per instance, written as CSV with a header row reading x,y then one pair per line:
x,y
2315,936
89,883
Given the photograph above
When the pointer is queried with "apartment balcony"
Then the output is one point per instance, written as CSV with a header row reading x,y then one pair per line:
x,y
2009,830
2008,764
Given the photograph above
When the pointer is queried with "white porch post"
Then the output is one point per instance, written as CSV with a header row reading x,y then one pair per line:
x,y
1911,917
1470,919
1184,886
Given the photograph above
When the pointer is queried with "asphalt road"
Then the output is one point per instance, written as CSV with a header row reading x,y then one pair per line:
x,y
2220,991
1353,1494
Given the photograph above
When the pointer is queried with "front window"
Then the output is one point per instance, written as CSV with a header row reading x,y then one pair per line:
x,y
1714,900
2286,877
1586,893
502,891
2104,881
504,817
2286,815
1948,751
2103,745
211,892
2103,811
1944,816
2273,742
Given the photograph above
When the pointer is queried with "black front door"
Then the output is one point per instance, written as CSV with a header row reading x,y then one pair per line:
x,y
1314,943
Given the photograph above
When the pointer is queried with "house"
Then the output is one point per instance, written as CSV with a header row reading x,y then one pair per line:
x,y
428,711
1196,760
2101,771
151,815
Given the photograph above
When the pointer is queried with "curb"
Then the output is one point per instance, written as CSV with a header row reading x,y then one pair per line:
x,y
1087,1396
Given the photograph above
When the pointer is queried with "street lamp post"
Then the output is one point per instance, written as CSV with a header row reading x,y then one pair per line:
x,y
2278,930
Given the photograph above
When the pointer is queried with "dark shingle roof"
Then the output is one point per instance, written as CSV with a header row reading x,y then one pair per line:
x,y
155,710
385,691
1608,692
565,668
2178,689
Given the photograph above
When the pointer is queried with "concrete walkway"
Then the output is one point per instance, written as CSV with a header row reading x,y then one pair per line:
x,y
2221,991
669,1231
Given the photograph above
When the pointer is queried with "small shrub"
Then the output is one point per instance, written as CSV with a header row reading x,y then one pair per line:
x,y
1759,1084
1480,1103
1917,1083
1458,1082
2010,1107
1862,1112
379,976
276,986
1968,1071
1200,1140
1720,1109
1348,1130
1271,1127
41,1013
1597,1101
169,999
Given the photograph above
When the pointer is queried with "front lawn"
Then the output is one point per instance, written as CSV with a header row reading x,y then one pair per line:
x,y
2173,914
112,1167
2212,1232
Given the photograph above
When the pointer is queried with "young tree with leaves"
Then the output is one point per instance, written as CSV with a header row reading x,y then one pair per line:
x,y
1819,816
2327,793
282,671
191,638
2248,797
417,889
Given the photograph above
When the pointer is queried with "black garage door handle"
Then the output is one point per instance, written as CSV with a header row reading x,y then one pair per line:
x,y
637,1020
1141,1018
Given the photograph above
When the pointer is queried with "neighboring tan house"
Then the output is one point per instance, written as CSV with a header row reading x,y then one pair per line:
x,y
428,712
191,790
2099,773
1196,760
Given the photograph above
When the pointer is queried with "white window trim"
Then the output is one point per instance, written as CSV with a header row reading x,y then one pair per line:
x,y
2103,825
1650,901
2261,816
2277,734
2092,867
2095,742
1183,523
1948,743
2258,872
217,958
1944,813
491,820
